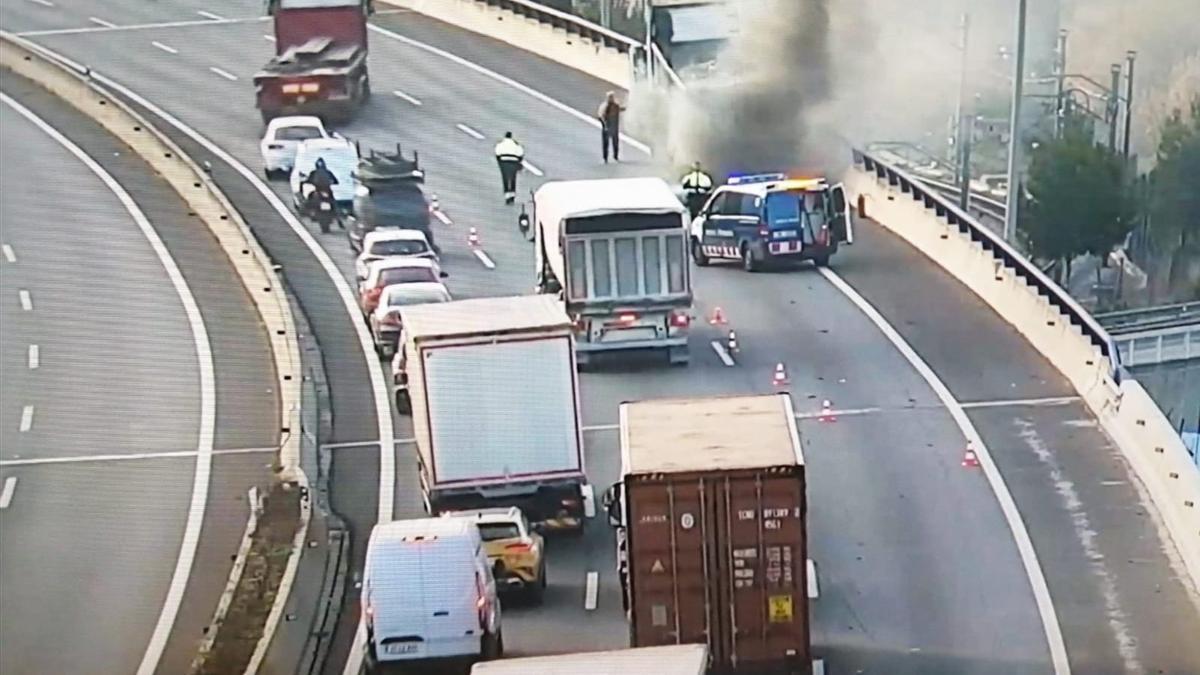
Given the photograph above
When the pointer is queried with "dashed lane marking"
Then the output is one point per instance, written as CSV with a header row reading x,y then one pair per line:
x,y
105,26
43,3
127,457
166,48
223,73
723,354
589,500
35,357
818,667
102,22
441,215
209,15
469,131
483,258
6,495
814,590
411,99
1022,402
26,300
532,169
591,591
269,38
9,254
26,418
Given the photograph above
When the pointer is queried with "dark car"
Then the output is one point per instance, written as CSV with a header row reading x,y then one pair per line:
x,y
390,195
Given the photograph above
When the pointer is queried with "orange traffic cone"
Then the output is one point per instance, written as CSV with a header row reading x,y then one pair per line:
x,y
780,378
733,345
826,412
473,238
718,317
970,460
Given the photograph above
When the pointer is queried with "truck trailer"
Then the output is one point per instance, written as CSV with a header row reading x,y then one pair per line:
x,y
320,62
494,397
711,536
672,660
614,252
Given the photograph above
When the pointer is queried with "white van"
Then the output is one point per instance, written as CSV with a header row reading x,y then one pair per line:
x,y
428,594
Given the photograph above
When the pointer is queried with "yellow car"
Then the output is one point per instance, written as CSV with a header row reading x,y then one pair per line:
x,y
516,552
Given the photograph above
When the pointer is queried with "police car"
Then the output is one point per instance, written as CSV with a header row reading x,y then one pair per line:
x,y
764,218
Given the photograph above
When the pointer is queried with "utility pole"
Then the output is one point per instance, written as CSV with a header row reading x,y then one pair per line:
x,y
1014,128
1060,114
964,186
1113,110
960,166
1129,58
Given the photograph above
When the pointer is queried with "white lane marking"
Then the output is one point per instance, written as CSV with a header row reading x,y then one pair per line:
x,y
441,215
102,22
589,500
532,169
591,590
6,496
839,413
818,667
269,38
35,357
166,48
483,258
9,254
26,418
106,27
552,102
204,444
814,589
723,354
411,99
470,132
26,300
223,73
1110,483
209,15
1029,559
43,3
126,457
1022,402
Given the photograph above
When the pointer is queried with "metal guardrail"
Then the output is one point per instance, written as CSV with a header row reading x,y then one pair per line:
x,y
1151,318
568,22
1162,345
1000,250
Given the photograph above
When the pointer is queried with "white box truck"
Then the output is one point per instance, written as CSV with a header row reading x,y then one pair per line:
x,y
673,660
613,251
494,397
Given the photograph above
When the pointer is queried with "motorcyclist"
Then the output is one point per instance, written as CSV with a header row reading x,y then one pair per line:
x,y
697,186
322,180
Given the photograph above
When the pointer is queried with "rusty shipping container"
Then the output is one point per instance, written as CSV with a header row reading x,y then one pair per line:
x,y
714,536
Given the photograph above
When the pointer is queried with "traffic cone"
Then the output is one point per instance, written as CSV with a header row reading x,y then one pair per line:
x,y
717,318
733,345
473,238
826,412
970,460
780,378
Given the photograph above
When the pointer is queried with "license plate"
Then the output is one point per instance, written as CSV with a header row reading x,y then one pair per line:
x,y
301,99
402,648
784,234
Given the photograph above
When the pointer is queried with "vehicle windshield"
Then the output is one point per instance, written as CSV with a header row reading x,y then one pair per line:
x,y
407,297
297,133
495,531
406,275
399,247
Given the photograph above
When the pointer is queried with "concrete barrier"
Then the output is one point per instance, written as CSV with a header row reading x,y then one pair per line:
x,y
534,33
71,82
1125,411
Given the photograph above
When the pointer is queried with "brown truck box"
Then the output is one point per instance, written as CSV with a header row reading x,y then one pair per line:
x,y
714,500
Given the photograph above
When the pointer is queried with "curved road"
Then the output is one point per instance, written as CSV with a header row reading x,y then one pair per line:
x,y
919,571
111,471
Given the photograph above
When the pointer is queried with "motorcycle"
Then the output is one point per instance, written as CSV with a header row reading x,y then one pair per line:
x,y
322,208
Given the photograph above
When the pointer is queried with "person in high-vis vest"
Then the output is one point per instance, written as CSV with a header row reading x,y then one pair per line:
x,y
509,155
697,186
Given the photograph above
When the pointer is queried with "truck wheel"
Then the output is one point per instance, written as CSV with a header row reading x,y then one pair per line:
x,y
698,254
364,92
748,262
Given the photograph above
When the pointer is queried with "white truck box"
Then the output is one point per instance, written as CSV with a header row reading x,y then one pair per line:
x,y
673,660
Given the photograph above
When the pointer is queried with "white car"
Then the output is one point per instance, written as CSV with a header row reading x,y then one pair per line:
x,y
380,244
385,322
341,158
283,137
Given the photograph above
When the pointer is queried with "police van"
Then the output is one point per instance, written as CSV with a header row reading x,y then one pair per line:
x,y
765,218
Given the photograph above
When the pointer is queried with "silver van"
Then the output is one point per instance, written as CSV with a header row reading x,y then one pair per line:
x,y
428,594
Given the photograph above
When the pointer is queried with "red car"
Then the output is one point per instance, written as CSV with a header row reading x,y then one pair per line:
x,y
391,271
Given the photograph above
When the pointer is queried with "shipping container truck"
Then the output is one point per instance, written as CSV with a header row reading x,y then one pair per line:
x,y
614,252
320,62
494,397
672,660
711,541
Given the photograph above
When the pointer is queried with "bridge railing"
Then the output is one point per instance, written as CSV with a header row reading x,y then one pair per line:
x,y
999,249
570,23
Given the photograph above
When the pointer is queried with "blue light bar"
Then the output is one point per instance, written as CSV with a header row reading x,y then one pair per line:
x,y
755,178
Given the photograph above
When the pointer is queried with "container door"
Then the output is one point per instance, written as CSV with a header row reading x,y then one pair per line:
x,y
763,568
843,224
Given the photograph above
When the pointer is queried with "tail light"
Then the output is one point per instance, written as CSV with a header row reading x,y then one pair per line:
x,y
310,87
680,319
518,548
580,324
291,88
390,320
374,293
569,502
764,231
481,602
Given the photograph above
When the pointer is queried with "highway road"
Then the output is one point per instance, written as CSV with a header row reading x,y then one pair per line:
x,y
918,559
137,405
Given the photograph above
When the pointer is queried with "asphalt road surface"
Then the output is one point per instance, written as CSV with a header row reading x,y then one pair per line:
x,y
918,568
104,439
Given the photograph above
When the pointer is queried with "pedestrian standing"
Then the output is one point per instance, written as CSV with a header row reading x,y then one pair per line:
x,y
510,156
610,126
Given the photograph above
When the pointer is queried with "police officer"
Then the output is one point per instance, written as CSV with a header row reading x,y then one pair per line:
x,y
509,155
697,186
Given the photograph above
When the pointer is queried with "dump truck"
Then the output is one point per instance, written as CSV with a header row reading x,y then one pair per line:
x,y
673,660
320,62
494,396
711,535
